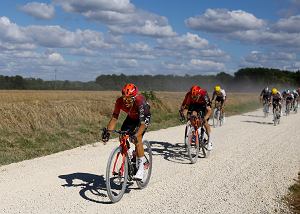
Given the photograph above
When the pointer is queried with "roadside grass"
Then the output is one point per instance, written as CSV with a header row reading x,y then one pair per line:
x,y
39,123
293,197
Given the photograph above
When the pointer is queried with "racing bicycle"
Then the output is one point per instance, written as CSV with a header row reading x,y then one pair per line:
x,y
266,107
195,138
121,166
217,116
276,114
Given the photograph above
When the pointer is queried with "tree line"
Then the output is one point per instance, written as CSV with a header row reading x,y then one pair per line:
x,y
245,79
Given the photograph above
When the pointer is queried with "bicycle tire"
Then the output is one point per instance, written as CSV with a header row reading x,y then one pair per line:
x,y
192,145
147,166
116,191
216,117
203,152
187,127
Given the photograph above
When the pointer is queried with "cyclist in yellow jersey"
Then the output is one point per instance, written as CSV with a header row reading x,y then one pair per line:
x,y
219,95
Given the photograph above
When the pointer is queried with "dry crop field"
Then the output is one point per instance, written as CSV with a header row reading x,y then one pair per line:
x,y
37,123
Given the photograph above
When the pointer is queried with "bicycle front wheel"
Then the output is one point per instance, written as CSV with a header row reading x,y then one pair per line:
x,y
116,175
216,117
147,165
192,145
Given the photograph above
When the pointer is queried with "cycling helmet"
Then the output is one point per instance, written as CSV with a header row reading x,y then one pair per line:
x,y
274,91
266,88
288,91
129,90
195,90
217,88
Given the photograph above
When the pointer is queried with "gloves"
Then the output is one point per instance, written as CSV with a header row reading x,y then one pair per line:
x,y
182,118
105,135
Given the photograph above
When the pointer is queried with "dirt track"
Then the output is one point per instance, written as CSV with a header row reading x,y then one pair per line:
x,y
250,169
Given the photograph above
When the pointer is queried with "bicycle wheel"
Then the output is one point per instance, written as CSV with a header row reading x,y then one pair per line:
x,y
192,145
203,152
116,175
266,110
187,127
221,118
147,165
216,117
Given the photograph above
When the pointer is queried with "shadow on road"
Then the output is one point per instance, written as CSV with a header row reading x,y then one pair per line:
x,y
258,122
171,152
92,186
252,115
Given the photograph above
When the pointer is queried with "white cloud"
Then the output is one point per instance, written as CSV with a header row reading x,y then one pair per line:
x,y
280,60
121,17
290,25
90,5
223,20
56,59
50,36
149,28
11,32
126,63
207,65
189,40
39,10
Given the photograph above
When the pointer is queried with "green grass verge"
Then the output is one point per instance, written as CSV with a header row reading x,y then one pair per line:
x,y
293,198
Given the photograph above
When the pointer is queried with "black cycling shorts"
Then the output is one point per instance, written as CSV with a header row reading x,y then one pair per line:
x,y
132,125
220,99
200,109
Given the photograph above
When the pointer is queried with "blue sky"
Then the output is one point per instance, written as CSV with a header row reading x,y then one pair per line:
x,y
84,39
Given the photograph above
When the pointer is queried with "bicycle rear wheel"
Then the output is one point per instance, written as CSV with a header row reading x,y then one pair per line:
x,y
192,140
116,175
147,165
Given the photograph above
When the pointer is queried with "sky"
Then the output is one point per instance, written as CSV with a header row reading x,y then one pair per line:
x,y
80,40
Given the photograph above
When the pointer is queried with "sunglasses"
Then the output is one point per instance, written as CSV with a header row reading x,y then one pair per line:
x,y
128,100
195,97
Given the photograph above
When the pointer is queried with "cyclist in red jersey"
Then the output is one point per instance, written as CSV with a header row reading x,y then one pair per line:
x,y
197,101
137,121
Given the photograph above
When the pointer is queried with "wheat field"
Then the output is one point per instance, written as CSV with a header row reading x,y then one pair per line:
x,y
37,123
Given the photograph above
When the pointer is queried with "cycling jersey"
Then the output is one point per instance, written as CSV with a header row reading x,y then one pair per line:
x,y
266,94
220,95
139,111
276,97
289,96
203,100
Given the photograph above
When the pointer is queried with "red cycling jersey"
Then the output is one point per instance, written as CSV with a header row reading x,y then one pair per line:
x,y
202,100
138,111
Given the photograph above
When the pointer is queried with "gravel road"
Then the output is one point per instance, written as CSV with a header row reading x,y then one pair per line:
x,y
252,165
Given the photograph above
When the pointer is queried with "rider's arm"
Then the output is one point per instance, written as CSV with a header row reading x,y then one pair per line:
x,y
208,113
213,96
113,121
208,107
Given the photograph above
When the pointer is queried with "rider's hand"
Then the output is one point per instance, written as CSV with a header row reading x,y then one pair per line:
x,y
105,135
182,117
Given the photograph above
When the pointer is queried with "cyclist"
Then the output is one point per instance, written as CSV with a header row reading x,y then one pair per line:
x,y
276,99
137,121
197,101
265,96
289,98
296,99
220,96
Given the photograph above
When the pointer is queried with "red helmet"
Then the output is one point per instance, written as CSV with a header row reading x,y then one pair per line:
x,y
196,90
129,90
